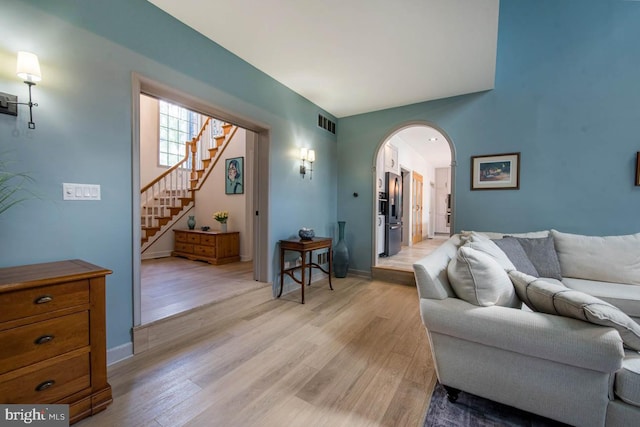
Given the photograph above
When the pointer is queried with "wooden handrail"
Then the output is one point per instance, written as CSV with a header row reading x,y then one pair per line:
x,y
215,161
181,162
204,126
176,189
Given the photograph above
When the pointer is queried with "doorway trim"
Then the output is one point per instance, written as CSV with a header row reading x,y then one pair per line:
x,y
387,136
416,226
141,84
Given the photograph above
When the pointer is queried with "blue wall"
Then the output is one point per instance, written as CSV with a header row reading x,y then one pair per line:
x,y
87,52
567,96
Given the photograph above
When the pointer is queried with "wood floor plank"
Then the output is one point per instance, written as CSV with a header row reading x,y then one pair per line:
x,y
373,402
173,285
350,357
271,401
421,369
402,410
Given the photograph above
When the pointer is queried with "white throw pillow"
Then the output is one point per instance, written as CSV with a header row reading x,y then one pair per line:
x,y
545,297
608,259
478,279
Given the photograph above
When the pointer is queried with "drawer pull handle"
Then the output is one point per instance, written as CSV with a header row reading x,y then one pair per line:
x,y
45,385
44,339
44,299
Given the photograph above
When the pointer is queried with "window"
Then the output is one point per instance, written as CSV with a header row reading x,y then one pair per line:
x,y
177,126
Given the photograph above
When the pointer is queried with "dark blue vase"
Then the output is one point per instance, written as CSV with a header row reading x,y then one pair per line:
x,y
341,253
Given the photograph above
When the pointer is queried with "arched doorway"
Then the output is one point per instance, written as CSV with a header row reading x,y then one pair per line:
x,y
414,194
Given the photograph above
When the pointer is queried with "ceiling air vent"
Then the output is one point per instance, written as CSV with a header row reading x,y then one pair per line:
x,y
326,124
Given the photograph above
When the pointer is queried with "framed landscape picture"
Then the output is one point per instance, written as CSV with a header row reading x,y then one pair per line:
x,y
495,172
234,180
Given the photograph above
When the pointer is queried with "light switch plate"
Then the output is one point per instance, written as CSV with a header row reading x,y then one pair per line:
x,y
72,191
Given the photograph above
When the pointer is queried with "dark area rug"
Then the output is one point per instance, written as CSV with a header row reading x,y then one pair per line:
x,y
473,411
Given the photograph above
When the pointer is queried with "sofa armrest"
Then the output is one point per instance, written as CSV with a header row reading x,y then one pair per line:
x,y
431,271
569,341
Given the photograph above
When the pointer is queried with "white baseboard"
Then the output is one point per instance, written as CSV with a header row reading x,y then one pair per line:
x,y
121,352
245,258
153,255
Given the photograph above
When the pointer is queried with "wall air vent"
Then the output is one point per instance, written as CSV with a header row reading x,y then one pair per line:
x,y
326,124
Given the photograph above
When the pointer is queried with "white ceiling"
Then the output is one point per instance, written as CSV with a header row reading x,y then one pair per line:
x,y
356,56
429,142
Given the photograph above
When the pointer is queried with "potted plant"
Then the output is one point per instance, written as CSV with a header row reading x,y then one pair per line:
x,y
11,187
222,217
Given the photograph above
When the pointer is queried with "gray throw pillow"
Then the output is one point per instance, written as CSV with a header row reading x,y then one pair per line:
x,y
542,296
543,256
490,248
480,280
517,255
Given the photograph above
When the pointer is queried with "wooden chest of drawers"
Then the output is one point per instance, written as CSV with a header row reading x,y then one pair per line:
x,y
52,336
211,246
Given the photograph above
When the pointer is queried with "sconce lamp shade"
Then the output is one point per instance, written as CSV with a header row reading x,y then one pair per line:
x,y
28,68
306,155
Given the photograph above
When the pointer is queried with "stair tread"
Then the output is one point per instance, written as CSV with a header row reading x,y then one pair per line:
x,y
163,208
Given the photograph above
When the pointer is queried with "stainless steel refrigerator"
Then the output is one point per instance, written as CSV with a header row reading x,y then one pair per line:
x,y
393,214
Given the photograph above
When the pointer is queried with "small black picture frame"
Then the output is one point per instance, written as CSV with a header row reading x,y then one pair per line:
x,y
495,172
638,169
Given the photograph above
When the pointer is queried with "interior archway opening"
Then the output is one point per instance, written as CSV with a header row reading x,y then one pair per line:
x,y
414,195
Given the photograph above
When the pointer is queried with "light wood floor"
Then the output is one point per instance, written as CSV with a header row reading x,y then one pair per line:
x,y
404,259
355,356
174,285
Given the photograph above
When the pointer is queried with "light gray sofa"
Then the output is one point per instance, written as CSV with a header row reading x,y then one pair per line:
x,y
558,367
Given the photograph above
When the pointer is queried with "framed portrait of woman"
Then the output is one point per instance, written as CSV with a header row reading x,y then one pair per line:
x,y
234,181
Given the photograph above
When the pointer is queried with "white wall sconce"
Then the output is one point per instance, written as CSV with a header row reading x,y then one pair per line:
x,y
307,155
28,69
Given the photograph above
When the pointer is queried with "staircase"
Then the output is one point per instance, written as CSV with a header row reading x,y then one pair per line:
x,y
170,196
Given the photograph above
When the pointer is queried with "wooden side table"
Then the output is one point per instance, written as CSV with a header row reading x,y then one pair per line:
x,y
304,247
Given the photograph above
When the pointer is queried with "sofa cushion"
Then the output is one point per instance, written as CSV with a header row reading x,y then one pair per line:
x,y
627,385
551,298
493,235
624,296
516,254
490,248
543,256
478,279
608,259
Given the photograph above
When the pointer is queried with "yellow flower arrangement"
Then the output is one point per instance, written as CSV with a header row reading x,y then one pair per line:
x,y
221,216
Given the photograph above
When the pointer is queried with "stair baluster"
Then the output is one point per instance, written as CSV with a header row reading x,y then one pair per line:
x,y
172,194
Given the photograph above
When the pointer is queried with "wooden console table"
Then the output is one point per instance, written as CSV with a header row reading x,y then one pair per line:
x,y
214,247
304,247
